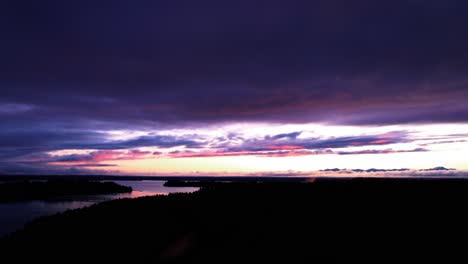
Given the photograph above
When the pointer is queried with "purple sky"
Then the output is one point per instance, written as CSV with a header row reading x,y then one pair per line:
x,y
151,80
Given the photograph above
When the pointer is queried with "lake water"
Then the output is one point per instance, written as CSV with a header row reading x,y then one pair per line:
x,y
15,215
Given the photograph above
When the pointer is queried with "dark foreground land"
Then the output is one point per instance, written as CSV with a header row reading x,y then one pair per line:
x,y
32,190
329,221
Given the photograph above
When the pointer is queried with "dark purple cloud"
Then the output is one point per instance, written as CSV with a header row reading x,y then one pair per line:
x,y
143,141
28,144
380,170
413,172
291,135
442,142
331,170
289,144
436,172
260,153
366,170
380,151
438,169
178,63
293,143
95,157
15,142
95,165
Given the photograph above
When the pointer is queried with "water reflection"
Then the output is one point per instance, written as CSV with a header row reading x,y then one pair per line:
x,y
155,187
15,215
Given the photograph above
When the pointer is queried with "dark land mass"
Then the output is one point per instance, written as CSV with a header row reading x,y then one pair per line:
x,y
8,178
12,191
327,221
202,179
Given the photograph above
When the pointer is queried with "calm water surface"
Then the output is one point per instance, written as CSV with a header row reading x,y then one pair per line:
x,y
14,216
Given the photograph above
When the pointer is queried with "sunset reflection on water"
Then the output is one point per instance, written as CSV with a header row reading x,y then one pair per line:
x,y
14,216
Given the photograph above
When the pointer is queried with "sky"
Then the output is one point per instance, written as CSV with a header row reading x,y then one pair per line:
x,y
209,87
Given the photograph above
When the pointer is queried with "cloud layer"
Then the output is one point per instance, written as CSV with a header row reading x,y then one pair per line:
x,y
172,64
72,74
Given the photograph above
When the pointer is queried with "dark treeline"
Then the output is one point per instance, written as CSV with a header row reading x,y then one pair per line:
x,y
29,190
322,181
322,222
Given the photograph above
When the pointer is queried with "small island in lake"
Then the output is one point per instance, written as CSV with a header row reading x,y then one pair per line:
x,y
52,188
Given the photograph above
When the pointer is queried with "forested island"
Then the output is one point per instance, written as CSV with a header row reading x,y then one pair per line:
x,y
34,190
325,221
